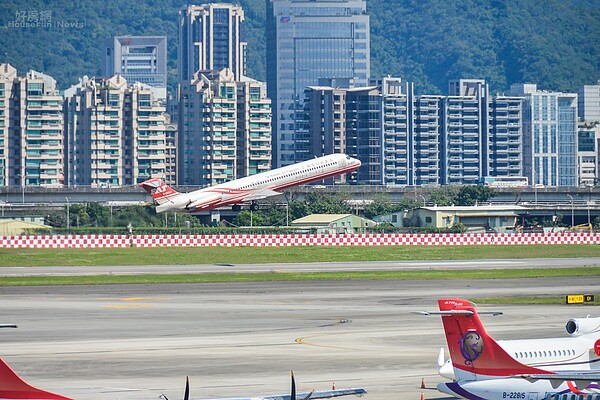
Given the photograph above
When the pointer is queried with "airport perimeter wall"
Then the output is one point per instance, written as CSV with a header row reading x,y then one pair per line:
x,y
449,239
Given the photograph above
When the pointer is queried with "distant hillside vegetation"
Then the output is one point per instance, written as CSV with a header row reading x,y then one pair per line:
x,y
554,43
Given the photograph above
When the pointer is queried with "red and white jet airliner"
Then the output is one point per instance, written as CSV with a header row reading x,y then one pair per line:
x,y
251,188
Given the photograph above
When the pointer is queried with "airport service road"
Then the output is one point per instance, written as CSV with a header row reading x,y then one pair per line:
x,y
303,267
133,342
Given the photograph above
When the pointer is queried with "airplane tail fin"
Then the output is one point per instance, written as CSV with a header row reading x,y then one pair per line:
x,y
159,191
475,354
13,387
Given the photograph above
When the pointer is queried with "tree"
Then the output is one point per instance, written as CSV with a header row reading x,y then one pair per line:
x,y
325,203
467,195
382,204
444,196
473,194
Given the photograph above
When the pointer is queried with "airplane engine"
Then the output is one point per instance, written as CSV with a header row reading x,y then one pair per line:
x,y
582,326
204,201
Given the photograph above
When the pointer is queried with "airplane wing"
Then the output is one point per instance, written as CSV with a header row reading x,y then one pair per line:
x,y
457,312
263,194
326,394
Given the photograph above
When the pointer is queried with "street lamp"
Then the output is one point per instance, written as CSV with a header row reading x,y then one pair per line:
x,y
424,201
68,216
287,214
572,215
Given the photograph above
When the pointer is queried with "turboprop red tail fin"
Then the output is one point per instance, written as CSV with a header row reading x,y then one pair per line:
x,y
13,387
159,191
474,353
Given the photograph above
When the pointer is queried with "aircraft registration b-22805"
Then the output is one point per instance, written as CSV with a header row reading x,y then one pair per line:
x,y
251,188
565,368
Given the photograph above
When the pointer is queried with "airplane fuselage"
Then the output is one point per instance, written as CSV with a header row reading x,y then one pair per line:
x,y
261,185
518,388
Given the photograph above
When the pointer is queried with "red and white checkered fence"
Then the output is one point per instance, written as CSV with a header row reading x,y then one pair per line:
x,y
444,239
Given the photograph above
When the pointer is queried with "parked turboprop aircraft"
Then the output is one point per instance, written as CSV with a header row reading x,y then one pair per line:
x,y
251,188
531,369
327,394
12,387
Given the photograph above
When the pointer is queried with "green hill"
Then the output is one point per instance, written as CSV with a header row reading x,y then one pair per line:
x,y
555,43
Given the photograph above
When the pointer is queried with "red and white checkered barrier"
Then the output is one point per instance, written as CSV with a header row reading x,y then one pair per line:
x,y
444,239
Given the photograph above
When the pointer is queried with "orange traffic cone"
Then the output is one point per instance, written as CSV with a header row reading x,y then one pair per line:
x,y
422,383
422,396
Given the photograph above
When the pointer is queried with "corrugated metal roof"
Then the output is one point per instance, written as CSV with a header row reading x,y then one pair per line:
x,y
15,227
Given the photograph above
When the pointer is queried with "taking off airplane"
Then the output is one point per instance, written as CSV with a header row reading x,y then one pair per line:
x,y
251,188
564,368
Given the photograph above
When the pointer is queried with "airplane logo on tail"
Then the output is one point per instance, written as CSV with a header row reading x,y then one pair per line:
x,y
471,346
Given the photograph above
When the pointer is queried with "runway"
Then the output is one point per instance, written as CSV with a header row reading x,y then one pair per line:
x,y
302,267
133,342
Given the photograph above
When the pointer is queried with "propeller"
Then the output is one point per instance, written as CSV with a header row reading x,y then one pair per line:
x,y
186,395
293,393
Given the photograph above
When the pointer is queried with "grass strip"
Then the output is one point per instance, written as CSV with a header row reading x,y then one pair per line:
x,y
531,300
275,255
300,276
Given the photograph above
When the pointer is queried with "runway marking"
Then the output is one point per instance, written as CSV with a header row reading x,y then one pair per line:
x,y
134,298
301,340
131,306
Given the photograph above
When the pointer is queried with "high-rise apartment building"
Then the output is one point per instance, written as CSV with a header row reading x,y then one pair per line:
x,y
171,153
31,129
210,38
8,75
588,103
466,125
426,129
308,40
224,129
325,116
363,133
138,59
504,144
253,128
550,135
405,139
588,154
397,149
115,133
